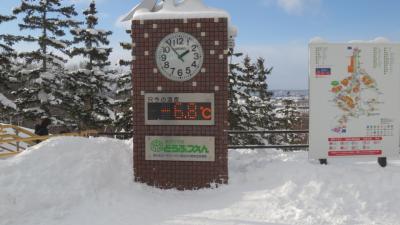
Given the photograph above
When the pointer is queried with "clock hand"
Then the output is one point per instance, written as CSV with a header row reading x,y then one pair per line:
x,y
175,51
183,54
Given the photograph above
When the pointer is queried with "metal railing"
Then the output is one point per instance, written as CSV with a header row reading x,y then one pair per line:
x,y
127,135
14,140
268,146
288,146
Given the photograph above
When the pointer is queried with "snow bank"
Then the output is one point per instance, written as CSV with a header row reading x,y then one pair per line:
x,y
57,175
67,181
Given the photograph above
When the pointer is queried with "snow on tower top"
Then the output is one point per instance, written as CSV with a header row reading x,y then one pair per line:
x,y
172,9
317,40
378,40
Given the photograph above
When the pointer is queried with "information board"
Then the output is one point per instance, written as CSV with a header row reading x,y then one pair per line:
x,y
180,148
354,100
179,108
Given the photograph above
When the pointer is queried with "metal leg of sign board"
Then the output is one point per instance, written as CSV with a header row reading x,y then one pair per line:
x,y
323,161
382,161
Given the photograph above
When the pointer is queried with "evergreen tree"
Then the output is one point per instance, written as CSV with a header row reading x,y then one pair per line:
x,y
8,68
41,93
288,117
44,16
265,118
124,104
249,105
237,105
7,53
91,106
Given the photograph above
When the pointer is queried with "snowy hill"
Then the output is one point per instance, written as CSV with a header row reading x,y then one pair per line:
x,y
66,181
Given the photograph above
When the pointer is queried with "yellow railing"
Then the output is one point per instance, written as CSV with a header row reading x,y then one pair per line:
x,y
10,143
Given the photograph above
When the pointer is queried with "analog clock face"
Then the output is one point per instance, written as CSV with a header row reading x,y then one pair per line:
x,y
179,56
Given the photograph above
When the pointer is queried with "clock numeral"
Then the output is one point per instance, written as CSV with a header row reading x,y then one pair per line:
x,y
188,70
173,70
194,64
179,41
180,72
166,49
174,42
163,57
194,48
196,56
166,65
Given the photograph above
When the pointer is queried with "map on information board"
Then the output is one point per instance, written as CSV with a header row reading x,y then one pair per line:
x,y
354,100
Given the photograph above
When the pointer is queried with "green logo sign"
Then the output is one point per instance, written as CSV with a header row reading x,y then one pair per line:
x,y
157,146
176,146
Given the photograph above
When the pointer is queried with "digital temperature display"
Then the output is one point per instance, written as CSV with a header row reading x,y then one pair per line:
x,y
179,109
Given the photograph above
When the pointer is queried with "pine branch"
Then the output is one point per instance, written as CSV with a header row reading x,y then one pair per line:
x,y
125,62
126,45
6,18
10,40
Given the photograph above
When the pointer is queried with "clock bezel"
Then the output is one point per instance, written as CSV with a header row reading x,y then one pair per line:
x,y
175,77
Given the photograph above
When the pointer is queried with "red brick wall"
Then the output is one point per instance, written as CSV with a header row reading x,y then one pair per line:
x,y
177,174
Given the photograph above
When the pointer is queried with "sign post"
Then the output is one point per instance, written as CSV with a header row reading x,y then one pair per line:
x,y
354,107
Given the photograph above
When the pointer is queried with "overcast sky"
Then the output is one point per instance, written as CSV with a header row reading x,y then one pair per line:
x,y
278,30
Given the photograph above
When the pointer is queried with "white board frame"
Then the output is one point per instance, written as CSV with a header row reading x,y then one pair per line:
x,y
318,136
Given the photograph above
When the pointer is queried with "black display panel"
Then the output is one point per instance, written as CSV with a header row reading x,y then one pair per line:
x,y
186,111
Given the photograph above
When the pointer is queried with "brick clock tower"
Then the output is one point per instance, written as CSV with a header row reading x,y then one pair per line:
x,y
180,94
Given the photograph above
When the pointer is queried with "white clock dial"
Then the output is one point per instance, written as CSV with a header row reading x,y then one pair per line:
x,y
179,56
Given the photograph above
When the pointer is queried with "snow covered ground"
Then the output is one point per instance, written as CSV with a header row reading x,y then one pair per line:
x,y
65,181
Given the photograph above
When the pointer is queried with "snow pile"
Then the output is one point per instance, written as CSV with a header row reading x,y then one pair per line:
x,y
53,178
67,181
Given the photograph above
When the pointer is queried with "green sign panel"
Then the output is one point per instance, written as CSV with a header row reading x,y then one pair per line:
x,y
180,148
